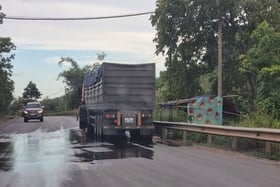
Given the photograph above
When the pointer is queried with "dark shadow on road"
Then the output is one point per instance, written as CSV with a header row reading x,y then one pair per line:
x,y
109,148
6,153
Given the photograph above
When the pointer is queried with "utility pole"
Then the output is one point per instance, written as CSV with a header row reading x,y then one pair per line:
x,y
220,48
220,57
2,15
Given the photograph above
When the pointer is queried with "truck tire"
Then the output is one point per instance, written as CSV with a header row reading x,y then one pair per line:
x,y
96,126
90,132
147,139
100,129
99,126
94,129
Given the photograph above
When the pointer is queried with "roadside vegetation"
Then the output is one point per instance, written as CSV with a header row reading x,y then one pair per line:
x,y
6,82
186,32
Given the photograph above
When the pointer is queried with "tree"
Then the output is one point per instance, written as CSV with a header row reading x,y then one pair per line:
x,y
162,88
16,105
6,83
187,34
262,63
251,14
54,105
31,92
101,56
73,78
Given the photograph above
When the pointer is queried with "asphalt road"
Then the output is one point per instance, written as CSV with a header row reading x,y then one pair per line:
x,y
48,154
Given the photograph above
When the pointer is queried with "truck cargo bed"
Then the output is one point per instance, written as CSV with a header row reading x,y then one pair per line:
x,y
121,86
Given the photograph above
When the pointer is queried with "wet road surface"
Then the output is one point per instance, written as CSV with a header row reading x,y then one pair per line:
x,y
50,154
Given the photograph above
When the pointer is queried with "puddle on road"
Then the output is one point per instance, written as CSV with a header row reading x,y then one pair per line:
x,y
6,153
49,151
110,151
98,150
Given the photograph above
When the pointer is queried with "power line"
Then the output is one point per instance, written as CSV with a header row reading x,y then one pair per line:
x,y
159,61
141,59
152,59
73,18
55,93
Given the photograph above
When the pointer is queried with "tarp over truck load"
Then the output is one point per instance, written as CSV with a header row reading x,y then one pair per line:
x,y
121,86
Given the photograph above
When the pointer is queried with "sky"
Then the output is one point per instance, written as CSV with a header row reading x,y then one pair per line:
x,y
41,44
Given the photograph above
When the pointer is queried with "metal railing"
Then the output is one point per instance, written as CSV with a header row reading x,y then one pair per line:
x,y
263,134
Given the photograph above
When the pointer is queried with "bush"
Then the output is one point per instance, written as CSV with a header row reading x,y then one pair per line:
x,y
262,120
197,137
63,113
164,115
275,151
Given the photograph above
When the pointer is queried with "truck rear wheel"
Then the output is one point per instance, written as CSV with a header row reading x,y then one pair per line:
x,y
96,126
90,132
95,129
99,126
147,139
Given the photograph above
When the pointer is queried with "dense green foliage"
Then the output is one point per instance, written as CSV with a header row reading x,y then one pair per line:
x,y
259,119
54,105
187,35
16,107
6,83
262,62
31,92
57,107
73,78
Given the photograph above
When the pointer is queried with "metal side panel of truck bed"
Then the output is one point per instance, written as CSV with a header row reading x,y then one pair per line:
x,y
123,86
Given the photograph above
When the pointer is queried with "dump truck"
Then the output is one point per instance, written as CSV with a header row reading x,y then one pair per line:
x,y
120,99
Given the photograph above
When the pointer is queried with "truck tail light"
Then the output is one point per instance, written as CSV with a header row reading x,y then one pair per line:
x,y
118,119
139,119
110,116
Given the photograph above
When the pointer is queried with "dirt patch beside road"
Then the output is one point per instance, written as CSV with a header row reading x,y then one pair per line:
x,y
6,119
